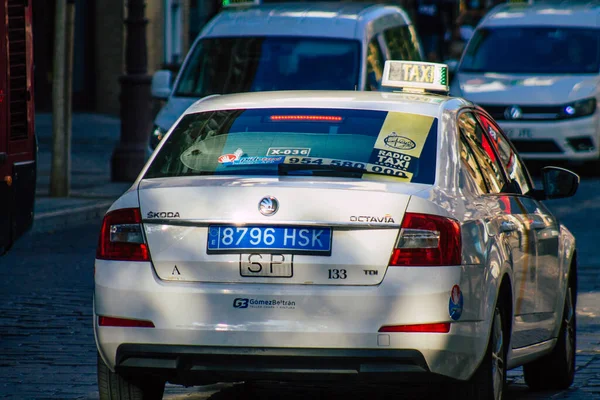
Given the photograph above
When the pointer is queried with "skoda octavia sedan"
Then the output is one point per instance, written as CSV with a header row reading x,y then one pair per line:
x,y
316,235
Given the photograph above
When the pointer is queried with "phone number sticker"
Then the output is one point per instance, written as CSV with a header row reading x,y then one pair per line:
x,y
367,167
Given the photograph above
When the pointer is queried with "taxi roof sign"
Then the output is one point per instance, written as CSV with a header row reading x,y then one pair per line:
x,y
416,76
238,3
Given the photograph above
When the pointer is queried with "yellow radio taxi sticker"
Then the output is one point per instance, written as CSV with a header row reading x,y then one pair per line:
x,y
400,143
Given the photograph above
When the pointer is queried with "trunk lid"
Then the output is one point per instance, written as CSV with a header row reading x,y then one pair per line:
x,y
325,231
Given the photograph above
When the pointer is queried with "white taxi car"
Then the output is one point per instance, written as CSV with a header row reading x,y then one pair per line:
x,y
536,69
250,47
378,237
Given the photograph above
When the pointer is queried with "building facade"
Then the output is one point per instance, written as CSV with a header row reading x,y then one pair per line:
x,y
99,48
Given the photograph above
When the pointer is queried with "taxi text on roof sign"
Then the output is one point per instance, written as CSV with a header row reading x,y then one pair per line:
x,y
236,3
415,75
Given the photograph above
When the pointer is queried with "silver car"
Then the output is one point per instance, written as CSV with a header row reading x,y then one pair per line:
x,y
330,235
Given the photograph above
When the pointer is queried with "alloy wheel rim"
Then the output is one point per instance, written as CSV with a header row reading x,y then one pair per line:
x,y
498,357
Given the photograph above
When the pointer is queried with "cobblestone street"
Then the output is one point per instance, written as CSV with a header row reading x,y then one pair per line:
x,y
47,348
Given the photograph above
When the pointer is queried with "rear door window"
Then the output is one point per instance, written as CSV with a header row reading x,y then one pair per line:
x,y
483,151
512,164
471,166
367,144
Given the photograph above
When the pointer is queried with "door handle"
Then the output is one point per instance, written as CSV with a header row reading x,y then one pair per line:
x,y
507,226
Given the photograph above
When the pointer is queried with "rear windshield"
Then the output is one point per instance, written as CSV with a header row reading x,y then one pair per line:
x,y
255,64
534,50
363,144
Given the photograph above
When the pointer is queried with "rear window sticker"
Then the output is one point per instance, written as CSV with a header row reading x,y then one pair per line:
x,y
225,158
368,167
400,143
324,161
378,169
256,161
392,159
401,130
288,151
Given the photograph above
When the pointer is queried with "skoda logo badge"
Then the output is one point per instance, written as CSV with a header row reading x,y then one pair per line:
x,y
268,206
513,112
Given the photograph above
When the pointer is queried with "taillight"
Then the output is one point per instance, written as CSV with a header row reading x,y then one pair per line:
x,y
121,237
440,327
427,240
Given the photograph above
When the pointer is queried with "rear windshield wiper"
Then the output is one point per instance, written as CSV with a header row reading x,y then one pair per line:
x,y
320,170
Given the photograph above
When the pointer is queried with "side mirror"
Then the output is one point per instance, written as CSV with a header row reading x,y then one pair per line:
x,y
161,84
559,182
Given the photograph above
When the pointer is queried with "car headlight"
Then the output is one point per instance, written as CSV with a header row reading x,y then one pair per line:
x,y
156,136
579,108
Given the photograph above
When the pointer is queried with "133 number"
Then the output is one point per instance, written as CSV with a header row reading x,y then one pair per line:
x,y
337,274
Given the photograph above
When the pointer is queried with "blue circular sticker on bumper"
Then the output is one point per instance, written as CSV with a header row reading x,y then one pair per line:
x,y
455,305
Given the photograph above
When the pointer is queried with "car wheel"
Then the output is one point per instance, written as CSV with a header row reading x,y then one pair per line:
x,y
556,370
113,386
489,380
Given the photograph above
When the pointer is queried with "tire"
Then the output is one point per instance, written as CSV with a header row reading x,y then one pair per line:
x,y
489,380
113,386
556,371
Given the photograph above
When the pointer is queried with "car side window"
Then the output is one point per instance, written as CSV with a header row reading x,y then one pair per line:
x,y
483,151
469,163
402,43
375,63
512,164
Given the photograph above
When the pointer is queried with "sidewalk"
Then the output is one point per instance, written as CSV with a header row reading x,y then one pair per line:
x,y
94,138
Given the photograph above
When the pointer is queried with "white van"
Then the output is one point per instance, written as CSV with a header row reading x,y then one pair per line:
x,y
287,46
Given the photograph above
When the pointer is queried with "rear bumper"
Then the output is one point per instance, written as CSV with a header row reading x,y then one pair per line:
x,y
195,365
335,328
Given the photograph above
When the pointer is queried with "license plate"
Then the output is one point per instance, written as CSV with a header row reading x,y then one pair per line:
x,y
269,239
519,133
266,265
